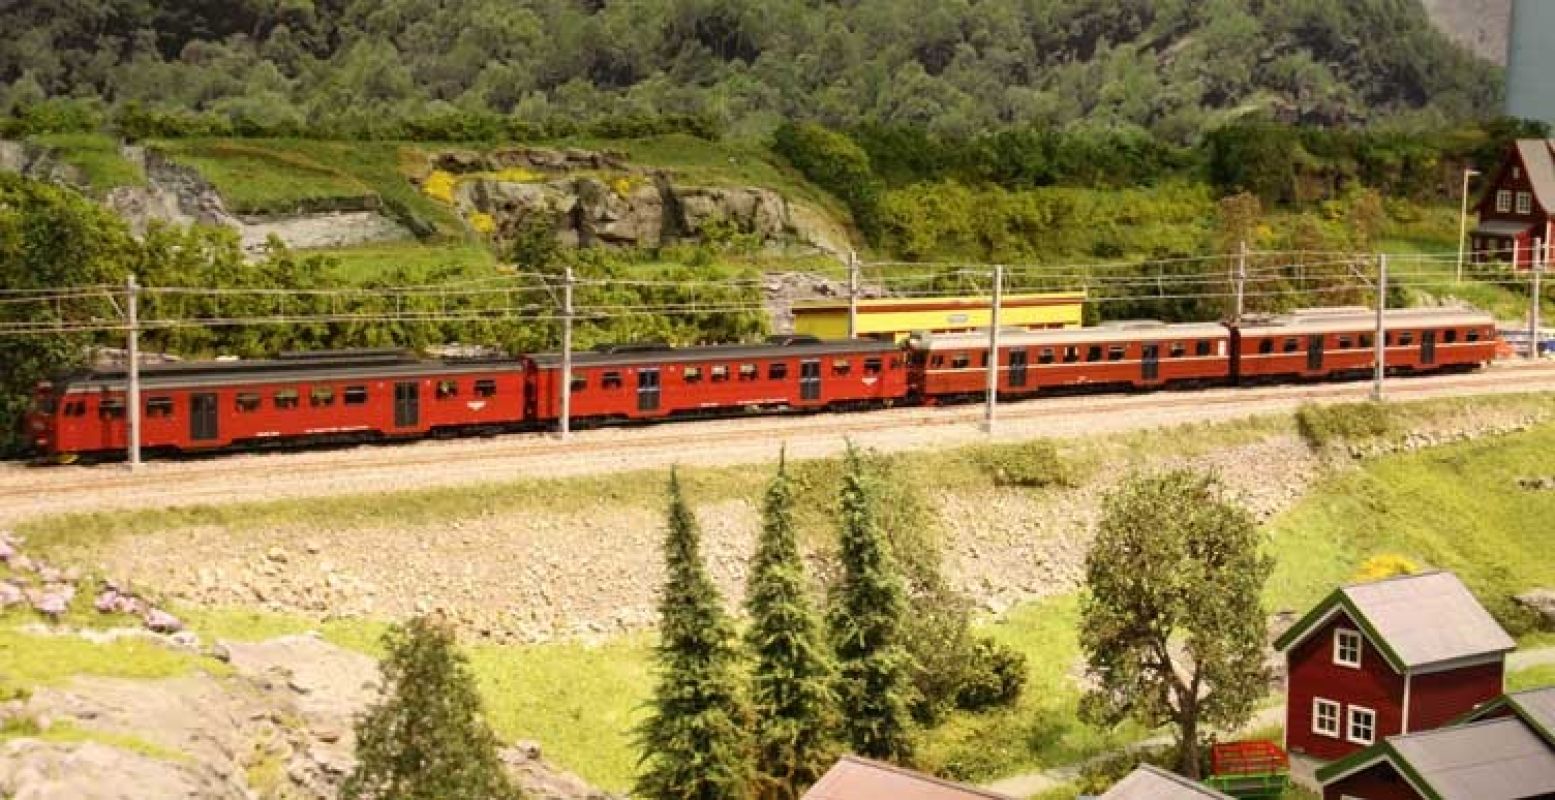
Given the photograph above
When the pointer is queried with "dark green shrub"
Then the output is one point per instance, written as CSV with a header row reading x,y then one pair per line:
x,y
1321,425
994,676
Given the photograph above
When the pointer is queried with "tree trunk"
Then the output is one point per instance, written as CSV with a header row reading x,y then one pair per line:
x,y
1188,744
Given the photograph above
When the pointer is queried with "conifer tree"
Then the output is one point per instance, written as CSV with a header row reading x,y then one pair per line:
x,y
791,692
695,744
425,740
867,608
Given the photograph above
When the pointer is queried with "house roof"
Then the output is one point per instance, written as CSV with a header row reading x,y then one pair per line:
x,y
1416,621
1536,708
1540,163
1153,783
854,778
1498,759
1501,227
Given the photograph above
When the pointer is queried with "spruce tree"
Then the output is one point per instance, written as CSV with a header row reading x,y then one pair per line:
x,y
866,618
695,743
791,692
425,740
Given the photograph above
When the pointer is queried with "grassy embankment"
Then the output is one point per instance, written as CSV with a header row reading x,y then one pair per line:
x,y
581,700
97,157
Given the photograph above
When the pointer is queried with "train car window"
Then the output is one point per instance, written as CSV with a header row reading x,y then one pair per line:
x,y
285,398
1406,339
110,408
1345,343
982,360
961,361
485,387
841,366
1450,336
248,402
1292,345
719,372
1093,353
871,366
1265,346
1071,354
1177,350
1115,352
1045,356
75,408
1365,340
777,371
748,372
447,390
1472,335
321,396
1202,348
357,395
610,380
579,381
692,374
159,407
937,361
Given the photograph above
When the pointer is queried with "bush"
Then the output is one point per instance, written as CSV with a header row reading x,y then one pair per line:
x,y
1321,425
1386,565
1033,465
994,676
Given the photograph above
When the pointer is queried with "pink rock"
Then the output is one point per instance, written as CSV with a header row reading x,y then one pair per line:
x,y
10,595
52,605
163,622
7,551
107,602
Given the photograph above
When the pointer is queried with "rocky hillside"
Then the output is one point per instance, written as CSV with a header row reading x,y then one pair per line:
x,y
1480,25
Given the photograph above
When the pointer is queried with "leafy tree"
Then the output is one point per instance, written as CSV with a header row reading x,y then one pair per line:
x,y
695,743
426,740
1171,624
791,689
866,619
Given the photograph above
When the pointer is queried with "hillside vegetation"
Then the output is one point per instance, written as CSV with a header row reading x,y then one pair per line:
x,y
418,69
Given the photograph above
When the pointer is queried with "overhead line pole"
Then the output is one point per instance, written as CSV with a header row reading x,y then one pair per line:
x,y
853,294
1381,334
1463,221
566,376
1241,279
132,312
993,347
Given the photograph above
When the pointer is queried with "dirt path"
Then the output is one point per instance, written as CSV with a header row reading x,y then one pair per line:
x,y
30,492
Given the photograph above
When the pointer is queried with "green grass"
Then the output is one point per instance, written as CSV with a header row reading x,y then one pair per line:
x,y
28,660
1436,279
1456,507
417,259
67,732
96,156
1531,678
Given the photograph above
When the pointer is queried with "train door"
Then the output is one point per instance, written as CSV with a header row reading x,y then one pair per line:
x,y
1427,347
810,379
407,404
1150,362
1314,353
1017,369
202,417
647,390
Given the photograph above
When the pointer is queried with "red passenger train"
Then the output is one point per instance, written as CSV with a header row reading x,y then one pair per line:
x,y
367,395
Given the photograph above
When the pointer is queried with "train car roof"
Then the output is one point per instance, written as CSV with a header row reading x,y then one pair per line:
x,y
301,368
1341,321
1110,333
798,347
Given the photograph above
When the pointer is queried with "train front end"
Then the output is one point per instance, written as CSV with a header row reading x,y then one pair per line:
x,y
40,424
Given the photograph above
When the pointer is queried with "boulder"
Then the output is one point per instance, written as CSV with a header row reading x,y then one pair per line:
x,y
1542,603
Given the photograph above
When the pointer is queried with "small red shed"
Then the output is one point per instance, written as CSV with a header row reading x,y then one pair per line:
x,y
1390,657
1518,205
1495,759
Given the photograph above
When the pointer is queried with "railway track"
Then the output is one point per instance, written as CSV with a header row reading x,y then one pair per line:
x,y
27,492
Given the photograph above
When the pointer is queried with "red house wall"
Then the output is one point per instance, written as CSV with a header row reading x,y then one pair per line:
x,y
1438,698
1313,673
1502,180
1380,782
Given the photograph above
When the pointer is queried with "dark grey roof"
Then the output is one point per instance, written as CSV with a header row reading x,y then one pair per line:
x,y
1501,227
1539,706
720,352
854,778
1499,759
1541,170
1153,783
1428,619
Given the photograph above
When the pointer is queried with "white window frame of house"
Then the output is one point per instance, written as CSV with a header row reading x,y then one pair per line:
x,y
1349,728
1318,704
1525,202
1343,636
1503,201
1517,173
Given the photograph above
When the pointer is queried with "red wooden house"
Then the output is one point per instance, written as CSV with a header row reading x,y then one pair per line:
x,y
1391,657
1503,751
1518,205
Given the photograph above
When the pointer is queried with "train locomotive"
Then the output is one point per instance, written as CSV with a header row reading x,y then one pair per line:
x,y
387,395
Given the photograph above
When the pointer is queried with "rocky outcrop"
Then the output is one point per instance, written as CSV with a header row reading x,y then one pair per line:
x,y
1542,603
543,159
37,163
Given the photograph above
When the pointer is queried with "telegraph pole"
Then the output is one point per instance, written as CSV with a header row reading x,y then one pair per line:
x,y
993,347
566,376
1463,221
1241,279
1381,335
132,430
852,294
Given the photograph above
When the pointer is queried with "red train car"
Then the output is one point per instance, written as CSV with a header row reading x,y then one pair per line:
x,y
214,405
1142,354
649,383
1335,342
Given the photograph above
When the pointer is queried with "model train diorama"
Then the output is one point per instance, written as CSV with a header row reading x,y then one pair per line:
x,y
386,395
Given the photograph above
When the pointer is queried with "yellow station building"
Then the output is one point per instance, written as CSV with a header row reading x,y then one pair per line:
x,y
900,317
